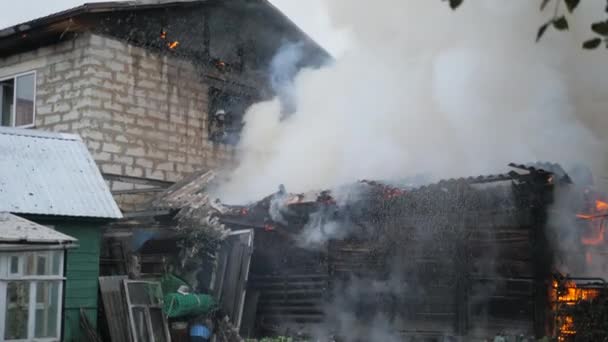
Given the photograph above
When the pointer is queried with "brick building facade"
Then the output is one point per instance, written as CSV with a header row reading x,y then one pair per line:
x,y
142,115
142,111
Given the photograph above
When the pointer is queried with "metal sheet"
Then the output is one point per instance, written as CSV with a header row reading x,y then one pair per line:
x,y
16,229
51,174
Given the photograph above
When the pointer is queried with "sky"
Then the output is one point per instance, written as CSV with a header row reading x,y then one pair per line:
x,y
312,18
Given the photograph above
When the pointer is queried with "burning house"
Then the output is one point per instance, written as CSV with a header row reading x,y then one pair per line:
x,y
468,258
157,89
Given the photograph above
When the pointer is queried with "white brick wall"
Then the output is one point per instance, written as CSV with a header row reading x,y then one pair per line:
x,y
140,114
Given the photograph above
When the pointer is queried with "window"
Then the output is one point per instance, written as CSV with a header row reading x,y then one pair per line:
x,y
226,111
17,100
31,285
145,302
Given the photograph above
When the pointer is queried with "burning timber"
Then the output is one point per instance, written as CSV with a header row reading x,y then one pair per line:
x,y
464,258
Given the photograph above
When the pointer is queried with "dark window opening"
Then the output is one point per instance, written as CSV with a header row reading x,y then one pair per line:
x,y
17,96
226,112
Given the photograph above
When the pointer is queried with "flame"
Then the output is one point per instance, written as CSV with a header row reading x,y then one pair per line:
x,y
601,205
163,34
569,294
220,64
567,327
173,45
390,193
597,237
595,230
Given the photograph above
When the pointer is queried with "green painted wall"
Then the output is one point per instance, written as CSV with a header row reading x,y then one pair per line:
x,y
82,273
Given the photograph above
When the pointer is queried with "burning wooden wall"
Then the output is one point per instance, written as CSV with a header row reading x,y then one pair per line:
x,y
465,257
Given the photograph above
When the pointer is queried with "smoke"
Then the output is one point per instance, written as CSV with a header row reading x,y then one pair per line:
x,y
284,67
330,222
424,90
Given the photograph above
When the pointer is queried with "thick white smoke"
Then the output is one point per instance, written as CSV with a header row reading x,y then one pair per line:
x,y
422,89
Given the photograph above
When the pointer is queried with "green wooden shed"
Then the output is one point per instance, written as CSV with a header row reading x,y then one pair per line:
x,y
52,180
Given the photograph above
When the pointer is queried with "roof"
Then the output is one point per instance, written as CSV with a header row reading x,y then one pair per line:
x,y
25,34
44,173
190,191
96,7
14,229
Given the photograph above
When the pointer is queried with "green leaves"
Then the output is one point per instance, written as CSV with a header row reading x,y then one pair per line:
x,y
600,28
560,23
454,4
541,31
592,43
571,4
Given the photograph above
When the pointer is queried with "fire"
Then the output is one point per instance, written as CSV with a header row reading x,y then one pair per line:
x,y
601,205
163,34
597,237
220,64
567,327
390,193
568,294
173,45
595,232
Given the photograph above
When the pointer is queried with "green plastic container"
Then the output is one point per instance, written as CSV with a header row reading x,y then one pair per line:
x,y
179,305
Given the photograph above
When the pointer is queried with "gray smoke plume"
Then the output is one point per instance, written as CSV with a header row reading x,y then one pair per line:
x,y
422,89
283,69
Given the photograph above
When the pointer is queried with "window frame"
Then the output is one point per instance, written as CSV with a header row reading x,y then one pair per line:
x,y
14,111
146,308
32,281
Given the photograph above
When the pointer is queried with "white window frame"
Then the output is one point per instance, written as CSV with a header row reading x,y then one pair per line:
x,y
14,112
146,308
33,280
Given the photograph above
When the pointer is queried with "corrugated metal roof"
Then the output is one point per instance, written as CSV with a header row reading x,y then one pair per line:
x,y
16,229
94,7
190,191
51,174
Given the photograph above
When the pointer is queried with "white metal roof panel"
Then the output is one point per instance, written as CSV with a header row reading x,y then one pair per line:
x,y
16,229
47,173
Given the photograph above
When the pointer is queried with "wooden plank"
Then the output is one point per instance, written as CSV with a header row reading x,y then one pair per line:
x,y
81,287
114,307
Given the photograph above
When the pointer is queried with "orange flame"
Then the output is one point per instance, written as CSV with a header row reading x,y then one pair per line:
x,y
220,64
173,45
595,231
597,238
572,294
567,327
601,205
569,294
163,34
